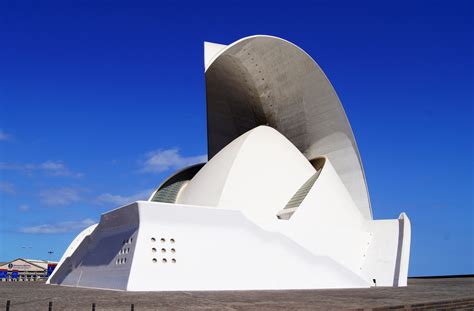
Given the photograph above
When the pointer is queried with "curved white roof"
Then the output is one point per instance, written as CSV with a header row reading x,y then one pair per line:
x,y
263,80
258,173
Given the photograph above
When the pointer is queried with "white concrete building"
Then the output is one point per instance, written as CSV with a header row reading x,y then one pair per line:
x,y
282,202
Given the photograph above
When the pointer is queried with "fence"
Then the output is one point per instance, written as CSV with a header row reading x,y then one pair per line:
x,y
50,306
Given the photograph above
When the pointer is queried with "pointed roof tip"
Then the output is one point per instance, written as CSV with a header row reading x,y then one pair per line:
x,y
210,51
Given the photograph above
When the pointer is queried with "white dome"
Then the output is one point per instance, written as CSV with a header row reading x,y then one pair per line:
x,y
257,173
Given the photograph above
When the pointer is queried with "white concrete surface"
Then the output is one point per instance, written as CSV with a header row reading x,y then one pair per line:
x,y
264,80
257,173
221,230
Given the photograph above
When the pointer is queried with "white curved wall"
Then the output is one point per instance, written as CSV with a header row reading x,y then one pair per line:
x,y
206,187
72,248
257,173
265,80
328,222
404,250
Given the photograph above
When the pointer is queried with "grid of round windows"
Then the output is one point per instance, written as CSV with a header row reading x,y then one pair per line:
x,y
163,250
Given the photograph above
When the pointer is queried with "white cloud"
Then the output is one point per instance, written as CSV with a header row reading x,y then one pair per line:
x,y
15,167
59,196
7,187
60,227
119,200
53,168
24,208
4,136
162,160
57,168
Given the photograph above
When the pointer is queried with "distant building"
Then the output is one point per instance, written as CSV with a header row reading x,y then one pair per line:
x,y
22,269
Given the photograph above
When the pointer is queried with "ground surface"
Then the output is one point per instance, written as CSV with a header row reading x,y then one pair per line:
x,y
456,292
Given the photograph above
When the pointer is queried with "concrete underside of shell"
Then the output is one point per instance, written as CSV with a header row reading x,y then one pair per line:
x,y
264,80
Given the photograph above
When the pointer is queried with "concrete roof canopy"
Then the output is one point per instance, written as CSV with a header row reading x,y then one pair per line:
x,y
265,80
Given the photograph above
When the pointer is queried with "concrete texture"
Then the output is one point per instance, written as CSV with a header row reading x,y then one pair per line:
x,y
455,293
264,80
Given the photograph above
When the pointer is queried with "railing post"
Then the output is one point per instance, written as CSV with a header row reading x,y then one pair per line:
x,y
50,306
8,305
93,306
132,307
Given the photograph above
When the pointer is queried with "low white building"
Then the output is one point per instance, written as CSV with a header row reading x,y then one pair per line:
x,y
282,202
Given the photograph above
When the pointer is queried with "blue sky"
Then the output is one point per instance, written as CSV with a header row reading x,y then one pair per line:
x,y
101,100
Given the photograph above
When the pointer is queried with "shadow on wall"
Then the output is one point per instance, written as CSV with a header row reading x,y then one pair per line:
x,y
95,250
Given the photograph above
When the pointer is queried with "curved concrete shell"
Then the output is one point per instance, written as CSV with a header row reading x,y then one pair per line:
x,y
282,202
244,176
170,189
264,80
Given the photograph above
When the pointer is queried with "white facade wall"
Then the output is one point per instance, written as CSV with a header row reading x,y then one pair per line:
x,y
213,250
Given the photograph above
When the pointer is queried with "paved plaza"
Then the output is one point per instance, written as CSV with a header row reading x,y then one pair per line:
x,y
456,293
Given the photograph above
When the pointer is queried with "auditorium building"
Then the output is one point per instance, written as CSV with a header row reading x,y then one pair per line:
x,y
281,203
